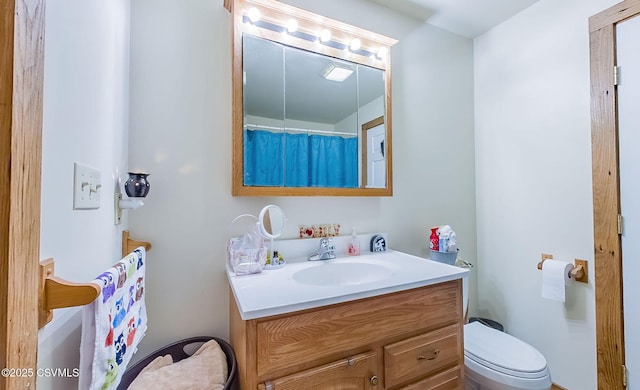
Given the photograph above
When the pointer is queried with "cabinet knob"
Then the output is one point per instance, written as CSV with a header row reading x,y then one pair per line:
x,y
432,356
374,381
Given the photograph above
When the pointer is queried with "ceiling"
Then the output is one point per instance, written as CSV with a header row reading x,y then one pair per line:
x,y
468,18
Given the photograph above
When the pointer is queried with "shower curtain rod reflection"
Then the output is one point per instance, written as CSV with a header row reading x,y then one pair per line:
x,y
295,129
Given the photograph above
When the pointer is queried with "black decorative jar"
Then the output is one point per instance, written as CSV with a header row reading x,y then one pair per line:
x,y
137,185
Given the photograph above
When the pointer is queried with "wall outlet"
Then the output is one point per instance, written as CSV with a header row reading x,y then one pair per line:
x,y
86,187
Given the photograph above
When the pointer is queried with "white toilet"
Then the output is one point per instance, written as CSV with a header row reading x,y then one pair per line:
x,y
494,360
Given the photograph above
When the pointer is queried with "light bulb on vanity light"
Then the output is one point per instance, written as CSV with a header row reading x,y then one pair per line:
x,y
355,44
325,35
254,14
292,26
382,52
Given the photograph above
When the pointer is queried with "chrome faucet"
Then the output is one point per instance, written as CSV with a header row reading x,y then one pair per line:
x,y
326,250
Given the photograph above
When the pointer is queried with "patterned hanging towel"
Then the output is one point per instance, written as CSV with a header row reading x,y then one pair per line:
x,y
113,324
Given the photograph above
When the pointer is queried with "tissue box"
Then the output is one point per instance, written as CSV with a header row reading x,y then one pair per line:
x,y
444,257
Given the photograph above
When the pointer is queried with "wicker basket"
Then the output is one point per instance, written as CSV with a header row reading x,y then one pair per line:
x,y
177,352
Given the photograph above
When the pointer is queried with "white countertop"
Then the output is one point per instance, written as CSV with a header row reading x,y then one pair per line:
x,y
279,291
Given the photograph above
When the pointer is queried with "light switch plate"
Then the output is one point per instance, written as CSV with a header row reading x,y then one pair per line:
x,y
86,187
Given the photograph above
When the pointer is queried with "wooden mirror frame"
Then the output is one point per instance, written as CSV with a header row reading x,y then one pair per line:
x,y
277,13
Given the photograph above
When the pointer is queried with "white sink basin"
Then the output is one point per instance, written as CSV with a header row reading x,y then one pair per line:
x,y
342,274
303,284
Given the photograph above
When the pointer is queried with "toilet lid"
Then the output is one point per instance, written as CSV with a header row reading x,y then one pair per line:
x,y
502,352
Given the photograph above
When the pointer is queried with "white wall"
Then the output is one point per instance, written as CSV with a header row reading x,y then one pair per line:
x,y
533,175
370,111
86,115
181,133
433,149
348,124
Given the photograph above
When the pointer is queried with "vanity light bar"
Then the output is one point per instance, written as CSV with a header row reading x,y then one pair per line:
x,y
357,49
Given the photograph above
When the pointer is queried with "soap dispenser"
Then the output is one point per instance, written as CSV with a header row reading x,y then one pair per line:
x,y
353,248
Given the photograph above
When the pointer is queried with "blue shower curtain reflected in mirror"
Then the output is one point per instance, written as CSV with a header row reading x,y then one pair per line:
x,y
299,160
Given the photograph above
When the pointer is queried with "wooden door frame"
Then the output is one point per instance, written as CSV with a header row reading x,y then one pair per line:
x,y
606,194
366,127
21,84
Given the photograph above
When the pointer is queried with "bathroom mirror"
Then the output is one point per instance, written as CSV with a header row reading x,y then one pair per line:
x,y
295,131
272,220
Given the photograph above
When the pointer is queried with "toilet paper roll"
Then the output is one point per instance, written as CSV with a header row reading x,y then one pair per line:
x,y
555,277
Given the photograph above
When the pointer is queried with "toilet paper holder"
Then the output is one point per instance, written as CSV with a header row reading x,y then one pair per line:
x,y
579,272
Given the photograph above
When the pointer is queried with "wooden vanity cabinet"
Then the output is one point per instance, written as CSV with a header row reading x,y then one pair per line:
x,y
410,339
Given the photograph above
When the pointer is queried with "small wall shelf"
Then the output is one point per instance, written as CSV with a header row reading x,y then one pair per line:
x,y
125,204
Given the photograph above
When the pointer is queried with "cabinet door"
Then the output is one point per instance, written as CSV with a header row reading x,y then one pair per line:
x,y
447,380
354,373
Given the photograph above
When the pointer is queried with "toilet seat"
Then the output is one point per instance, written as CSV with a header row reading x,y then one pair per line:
x,y
502,352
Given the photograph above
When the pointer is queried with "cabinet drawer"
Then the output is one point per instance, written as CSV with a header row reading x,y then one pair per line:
x,y
354,373
327,333
448,380
422,355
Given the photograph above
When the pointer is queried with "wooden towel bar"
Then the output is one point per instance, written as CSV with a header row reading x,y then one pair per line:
x,y
56,293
